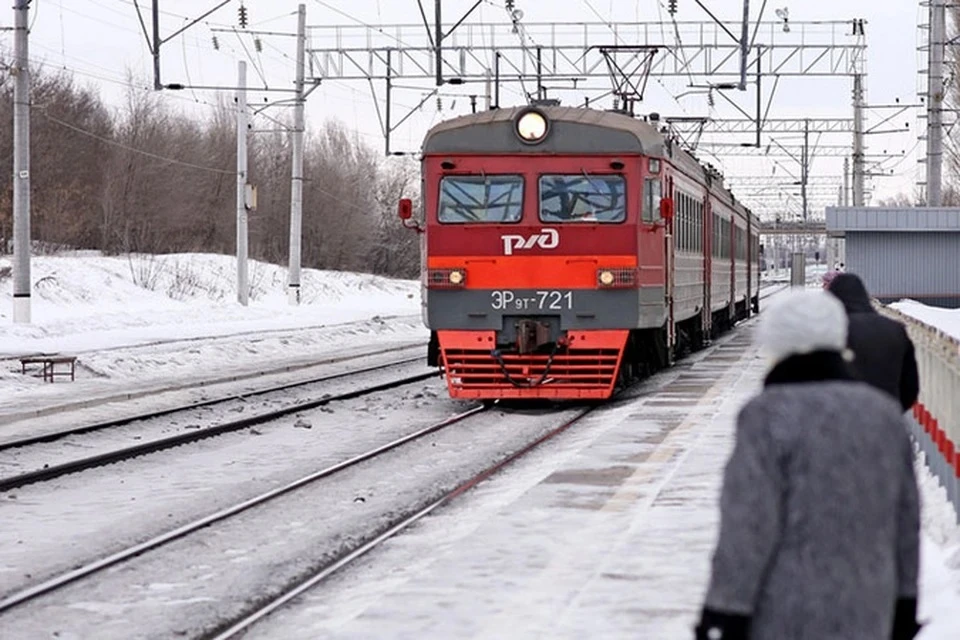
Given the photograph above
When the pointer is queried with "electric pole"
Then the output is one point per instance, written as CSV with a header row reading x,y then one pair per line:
x,y
296,185
21,164
744,45
935,102
805,166
858,133
846,182
242,286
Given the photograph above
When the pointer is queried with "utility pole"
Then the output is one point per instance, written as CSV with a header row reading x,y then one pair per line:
x,y
486,90
935,102
846,182
156,45
242,286
858,133
805,166
438,41
296,184
21,164
744,45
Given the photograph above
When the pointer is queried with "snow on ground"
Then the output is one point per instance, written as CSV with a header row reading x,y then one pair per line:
x,y
947,320
83,302
813,272
149,320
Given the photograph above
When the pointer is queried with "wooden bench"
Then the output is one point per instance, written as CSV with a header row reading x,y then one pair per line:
x,y
49,370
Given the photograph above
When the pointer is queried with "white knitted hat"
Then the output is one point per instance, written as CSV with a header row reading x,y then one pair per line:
x,y
802,321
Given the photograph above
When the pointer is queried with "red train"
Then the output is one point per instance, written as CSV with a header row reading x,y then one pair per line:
x,y
567,251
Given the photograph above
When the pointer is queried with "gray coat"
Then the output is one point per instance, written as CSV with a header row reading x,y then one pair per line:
x,y
819,514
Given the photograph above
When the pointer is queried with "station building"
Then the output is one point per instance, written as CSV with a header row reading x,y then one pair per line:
x,y
911,252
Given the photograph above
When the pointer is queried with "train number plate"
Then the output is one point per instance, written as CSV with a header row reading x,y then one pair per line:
x,y
531,301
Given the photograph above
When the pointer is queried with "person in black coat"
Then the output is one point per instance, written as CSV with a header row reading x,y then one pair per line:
x,y
883,352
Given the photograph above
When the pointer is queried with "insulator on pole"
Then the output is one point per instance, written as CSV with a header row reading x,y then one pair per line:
x,y
243,16
672,7
258,45
216,43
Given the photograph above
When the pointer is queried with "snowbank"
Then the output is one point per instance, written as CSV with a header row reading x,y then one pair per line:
x,y
84,302
150,320
947,320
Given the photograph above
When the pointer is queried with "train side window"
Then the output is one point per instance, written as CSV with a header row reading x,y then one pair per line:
x,y
651,199
684,220
715,249
471,199
680,221
699,227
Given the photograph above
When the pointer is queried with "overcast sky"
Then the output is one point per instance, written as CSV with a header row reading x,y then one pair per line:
x,y
102,41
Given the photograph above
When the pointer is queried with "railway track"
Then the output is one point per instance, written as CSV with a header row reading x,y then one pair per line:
x,y
257,333
49,471
88,569
194,384
392,529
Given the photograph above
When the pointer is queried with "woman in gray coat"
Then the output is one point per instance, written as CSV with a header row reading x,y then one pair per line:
x,y
819,531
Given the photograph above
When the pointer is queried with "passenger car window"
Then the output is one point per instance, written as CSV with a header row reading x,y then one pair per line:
x,y
651,199
465,199
582,198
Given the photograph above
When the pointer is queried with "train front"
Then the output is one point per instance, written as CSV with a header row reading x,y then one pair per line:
x,y
531,273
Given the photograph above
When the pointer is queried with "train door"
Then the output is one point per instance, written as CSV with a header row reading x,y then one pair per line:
x,y
669,262
731,242
708,222
748,250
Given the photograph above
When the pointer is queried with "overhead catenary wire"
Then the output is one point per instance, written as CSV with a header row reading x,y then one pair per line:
x,y
621,41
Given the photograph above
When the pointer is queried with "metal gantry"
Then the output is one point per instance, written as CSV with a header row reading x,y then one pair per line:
x,y
770,125
579,51
578,56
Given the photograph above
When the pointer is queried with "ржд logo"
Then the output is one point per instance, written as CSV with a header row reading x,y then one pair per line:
x,y
546,239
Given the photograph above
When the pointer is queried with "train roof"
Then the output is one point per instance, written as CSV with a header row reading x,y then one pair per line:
x,y
573,130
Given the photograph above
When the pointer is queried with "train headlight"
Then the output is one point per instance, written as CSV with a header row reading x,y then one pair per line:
x,y
532,126
617,277
446,278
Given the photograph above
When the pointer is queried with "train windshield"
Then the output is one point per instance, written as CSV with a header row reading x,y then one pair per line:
x,y
465,199
582,198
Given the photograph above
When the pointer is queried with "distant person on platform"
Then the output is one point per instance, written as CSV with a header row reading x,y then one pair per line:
x,y
883,352
819,512
828,278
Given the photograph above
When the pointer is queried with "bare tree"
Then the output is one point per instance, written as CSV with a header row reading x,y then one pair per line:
x,y
149,179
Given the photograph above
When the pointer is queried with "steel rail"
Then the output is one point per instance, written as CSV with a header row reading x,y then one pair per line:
x,y
82,464
119,422
388,532
64,579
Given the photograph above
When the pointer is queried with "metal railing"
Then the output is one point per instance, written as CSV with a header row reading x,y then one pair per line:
x,y
936,424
